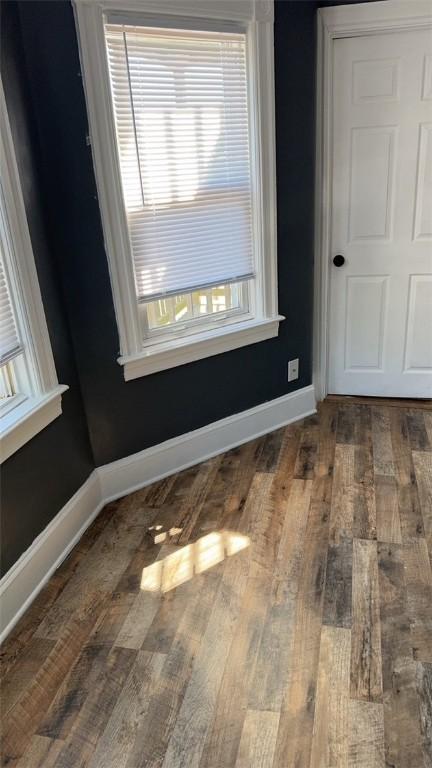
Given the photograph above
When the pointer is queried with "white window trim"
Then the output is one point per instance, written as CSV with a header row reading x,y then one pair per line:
x,y
27,419
43,405
170,354
256,16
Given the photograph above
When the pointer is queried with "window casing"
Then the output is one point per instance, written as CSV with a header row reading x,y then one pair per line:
x,y
30,395
181,108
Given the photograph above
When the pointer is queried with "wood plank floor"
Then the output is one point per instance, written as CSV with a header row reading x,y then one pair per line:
x,y
270,608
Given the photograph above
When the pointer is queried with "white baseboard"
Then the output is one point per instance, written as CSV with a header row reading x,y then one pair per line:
x,y
140,469
22,583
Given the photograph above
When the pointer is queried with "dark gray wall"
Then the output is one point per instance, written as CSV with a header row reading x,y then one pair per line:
x,y
38,480
127,417
50,118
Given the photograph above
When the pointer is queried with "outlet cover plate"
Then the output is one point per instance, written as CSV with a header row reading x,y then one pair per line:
x,y
293,369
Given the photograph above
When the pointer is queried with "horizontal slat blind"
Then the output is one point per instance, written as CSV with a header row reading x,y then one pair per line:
x,y
181,113
9,341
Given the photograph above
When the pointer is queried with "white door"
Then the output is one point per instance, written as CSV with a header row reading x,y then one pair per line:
x,y
381,297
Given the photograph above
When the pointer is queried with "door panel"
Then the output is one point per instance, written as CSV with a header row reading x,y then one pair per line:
x,y
375,80
365,332
381,298
418,355
423,196
372,174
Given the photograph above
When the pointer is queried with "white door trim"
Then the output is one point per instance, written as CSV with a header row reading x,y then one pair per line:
x,y
333,23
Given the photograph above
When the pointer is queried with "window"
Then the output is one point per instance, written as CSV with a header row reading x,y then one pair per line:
x,y
181,113
30,396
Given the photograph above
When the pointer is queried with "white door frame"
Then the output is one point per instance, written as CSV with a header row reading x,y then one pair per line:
x,y
336,22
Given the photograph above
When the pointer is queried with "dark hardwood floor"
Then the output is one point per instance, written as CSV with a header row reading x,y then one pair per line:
x,y
271,607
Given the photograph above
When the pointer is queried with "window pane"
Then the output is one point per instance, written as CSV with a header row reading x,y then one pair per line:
x,y
7,383
176,310
9,340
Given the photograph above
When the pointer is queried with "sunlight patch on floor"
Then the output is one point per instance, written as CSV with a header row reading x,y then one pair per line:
x,y
181,566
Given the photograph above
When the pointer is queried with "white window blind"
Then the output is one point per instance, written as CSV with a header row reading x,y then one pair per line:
x,y
181,115
9,340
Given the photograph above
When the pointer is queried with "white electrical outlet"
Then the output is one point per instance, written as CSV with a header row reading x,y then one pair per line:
x,y
293,369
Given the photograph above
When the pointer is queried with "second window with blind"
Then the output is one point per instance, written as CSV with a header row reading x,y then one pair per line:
x,y
30,395
183,142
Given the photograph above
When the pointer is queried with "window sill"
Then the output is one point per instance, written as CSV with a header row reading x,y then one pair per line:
x,y
172,353
27,419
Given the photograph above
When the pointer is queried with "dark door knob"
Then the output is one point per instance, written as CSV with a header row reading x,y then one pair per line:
x,y
338,260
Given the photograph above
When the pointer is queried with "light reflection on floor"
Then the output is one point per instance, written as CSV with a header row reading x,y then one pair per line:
x,y
180,566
